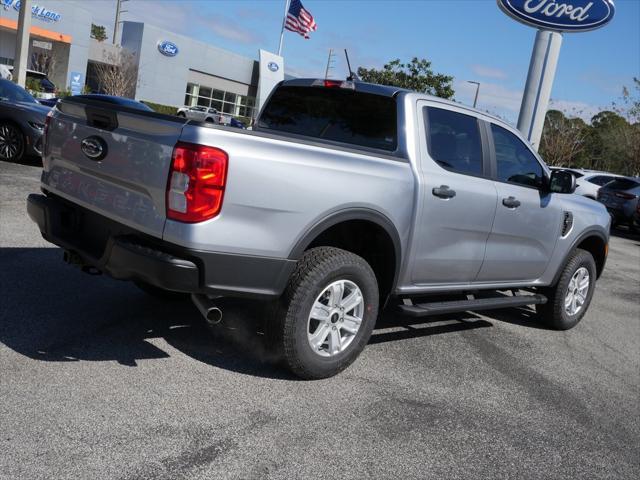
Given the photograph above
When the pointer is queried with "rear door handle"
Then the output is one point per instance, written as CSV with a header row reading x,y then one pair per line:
x,y
511,202
443,191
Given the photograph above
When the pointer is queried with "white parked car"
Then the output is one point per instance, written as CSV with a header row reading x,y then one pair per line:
x,y
201,114
5,72
588,182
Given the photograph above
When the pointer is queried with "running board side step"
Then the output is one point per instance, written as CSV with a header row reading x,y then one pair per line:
x,y
477,304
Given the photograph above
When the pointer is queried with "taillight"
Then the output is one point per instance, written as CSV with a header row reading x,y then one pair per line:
x,y
47,122
334,84
625,196
196,182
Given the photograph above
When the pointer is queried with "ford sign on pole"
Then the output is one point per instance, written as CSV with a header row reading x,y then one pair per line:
x,y
567,16
551,17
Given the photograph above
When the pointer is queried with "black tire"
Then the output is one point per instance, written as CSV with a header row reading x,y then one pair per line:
x,y
553,313
160,293
12,142
315,271
209,120
182,115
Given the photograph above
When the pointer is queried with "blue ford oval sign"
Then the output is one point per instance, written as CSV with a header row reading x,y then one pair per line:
x,y
168,48
273,66
560,15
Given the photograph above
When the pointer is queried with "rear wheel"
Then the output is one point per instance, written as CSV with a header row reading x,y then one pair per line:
x,y
569,299
327,312
182,114
11,142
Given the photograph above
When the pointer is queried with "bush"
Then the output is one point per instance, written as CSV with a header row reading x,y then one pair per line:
x,y
33,85
166,109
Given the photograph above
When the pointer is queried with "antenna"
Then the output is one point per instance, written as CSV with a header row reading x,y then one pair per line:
x,y
352,75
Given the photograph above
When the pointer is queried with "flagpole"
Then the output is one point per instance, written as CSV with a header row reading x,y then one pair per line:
x,y
284,20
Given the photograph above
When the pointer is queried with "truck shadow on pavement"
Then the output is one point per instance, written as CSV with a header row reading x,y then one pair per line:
x,y
52,312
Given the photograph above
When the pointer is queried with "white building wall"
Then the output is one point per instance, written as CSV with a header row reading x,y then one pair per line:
x,y
163,79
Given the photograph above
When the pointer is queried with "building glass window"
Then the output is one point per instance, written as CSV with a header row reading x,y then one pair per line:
x,y
230,103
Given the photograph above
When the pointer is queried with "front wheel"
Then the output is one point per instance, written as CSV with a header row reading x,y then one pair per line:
x,y
327,312
569,299
11,143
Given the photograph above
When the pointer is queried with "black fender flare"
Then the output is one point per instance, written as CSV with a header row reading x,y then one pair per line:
x,y
340,216
592,232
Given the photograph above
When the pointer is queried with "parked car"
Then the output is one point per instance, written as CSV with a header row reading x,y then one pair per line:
x,y
22,121
345,197
233,122
588,182
621,199
48,102
113,100
635,222
46,86
5,72
201,114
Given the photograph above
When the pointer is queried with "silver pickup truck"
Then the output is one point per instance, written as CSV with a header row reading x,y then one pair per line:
x,y
344,198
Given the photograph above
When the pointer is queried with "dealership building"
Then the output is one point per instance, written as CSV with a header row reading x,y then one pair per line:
x,y
172,69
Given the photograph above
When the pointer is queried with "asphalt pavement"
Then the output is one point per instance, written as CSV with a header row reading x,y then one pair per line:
x,y
100,381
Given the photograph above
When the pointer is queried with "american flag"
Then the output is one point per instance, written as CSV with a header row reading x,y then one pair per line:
x,y
299,20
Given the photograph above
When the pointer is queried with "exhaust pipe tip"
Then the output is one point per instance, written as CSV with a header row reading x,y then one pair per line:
x,y
206,307
213,316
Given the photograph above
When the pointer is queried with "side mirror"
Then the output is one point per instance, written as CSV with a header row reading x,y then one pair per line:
x,y
562,181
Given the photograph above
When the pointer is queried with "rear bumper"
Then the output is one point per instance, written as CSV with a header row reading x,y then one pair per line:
x,y
123,253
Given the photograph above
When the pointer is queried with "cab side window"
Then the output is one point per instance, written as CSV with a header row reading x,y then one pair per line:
x,y
514,161
454,141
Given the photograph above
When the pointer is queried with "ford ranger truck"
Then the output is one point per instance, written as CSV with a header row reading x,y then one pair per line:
x,y
343,198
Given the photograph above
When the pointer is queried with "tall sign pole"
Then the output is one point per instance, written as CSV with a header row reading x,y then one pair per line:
x,y
551,18
22,43
537,90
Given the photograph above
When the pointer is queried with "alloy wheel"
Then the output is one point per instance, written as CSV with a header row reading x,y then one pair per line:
x,y
10,142
577,291
335,318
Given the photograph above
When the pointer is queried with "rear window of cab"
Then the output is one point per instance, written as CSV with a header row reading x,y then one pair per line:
x,y
334,114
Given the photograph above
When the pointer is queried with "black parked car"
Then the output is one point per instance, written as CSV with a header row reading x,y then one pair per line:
x,y
22,121
621,197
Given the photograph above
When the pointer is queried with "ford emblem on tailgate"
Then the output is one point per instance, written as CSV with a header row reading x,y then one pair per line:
x,y
94,148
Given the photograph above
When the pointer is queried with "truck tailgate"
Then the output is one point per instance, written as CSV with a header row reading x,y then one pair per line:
x,y
112,160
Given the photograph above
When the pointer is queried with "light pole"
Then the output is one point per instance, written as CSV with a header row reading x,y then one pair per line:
x,y
117,22
477,84
22,43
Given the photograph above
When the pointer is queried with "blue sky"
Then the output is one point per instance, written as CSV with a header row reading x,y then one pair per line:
x,y
469,39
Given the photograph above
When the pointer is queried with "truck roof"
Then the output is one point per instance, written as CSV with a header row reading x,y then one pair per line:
x,y
384,90
391,91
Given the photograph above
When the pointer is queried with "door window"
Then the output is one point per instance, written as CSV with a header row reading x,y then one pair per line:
x,y
515,162
454,141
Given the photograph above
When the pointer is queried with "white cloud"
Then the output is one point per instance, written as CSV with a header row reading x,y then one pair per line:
x,y
229,29
570,108
488,72
493,98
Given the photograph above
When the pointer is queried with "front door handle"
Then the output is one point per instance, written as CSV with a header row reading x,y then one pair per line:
x,y
443,191
511,202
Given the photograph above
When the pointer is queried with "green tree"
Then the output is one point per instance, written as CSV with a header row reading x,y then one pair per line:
x,y
563,139
98,32
613,143
416,75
